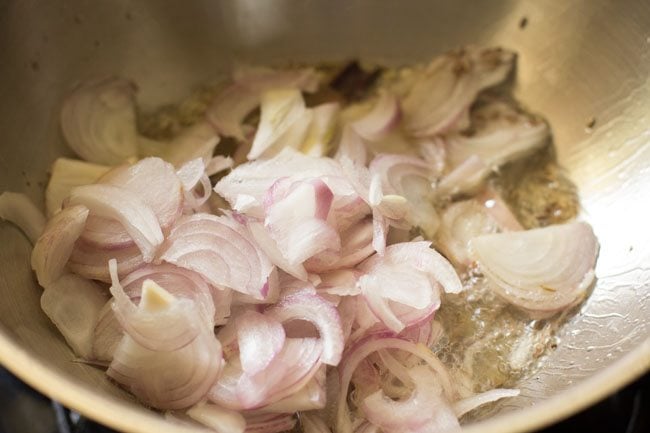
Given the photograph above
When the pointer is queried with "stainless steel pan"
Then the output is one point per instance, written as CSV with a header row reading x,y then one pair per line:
x,y
579,61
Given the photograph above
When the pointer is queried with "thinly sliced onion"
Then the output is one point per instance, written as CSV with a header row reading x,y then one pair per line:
x,y
73,304
235,102
108,201
466,177
503,134
465,405
461,222
54,247
249,183
384,116
90,262
270,248
280,110
297,220
541,270
218,164
497,208
424,411
411,178
322,314
19,210
356,246
440,94
222,251
322,127
98,120
219,419
145,369
270,423
434,152
260,338
310,397
197,141
360,350
181,283
107,335
341,282
66,175
312,423
352,147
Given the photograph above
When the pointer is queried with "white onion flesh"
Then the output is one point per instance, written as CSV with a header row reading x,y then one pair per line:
x,y
54,247
260,339
219,419
68,174
74,304
312,423
98,121
541,270
19,210
384,116
465,405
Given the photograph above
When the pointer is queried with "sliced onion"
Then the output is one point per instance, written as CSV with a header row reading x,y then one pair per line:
x,y
310,397
249,183
222,251
411,178
107,335
312,423
461,222
497,208
98,120
356,247
434,152
503,135
270,248
360,350
66,175
217,164
384,116
219,419
179,282
271,423
352,147
196,141
108,201
322,314
341,282
73,304
322,127
280,110
54,247
466,177
439,95
260,338
542,270
19,210
91,262
297,220
425,410
145,357
465,405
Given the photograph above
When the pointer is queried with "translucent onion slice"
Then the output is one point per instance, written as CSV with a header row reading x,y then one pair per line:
x,y
314,309
246,186
439,95
382,118
425,410
19,210
310,397
145,371
270,423
461,407
280,110
54,247
98,121
90,262
356,246
260,338
409,177
164,197
312,423
361,350
219,419
196,141
112,202
222,251
66,175
352,147
74,304
322,128
542,270
106,335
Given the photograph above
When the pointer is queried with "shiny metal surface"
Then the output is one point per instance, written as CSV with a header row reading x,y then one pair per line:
x,y
578,60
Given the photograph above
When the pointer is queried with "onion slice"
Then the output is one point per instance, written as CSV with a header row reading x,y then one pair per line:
x,y
465,405
117,203
98,120
260,339
219,419
66,175
73,304
312,423
384,116
542,270
322,314
54,247
19,210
